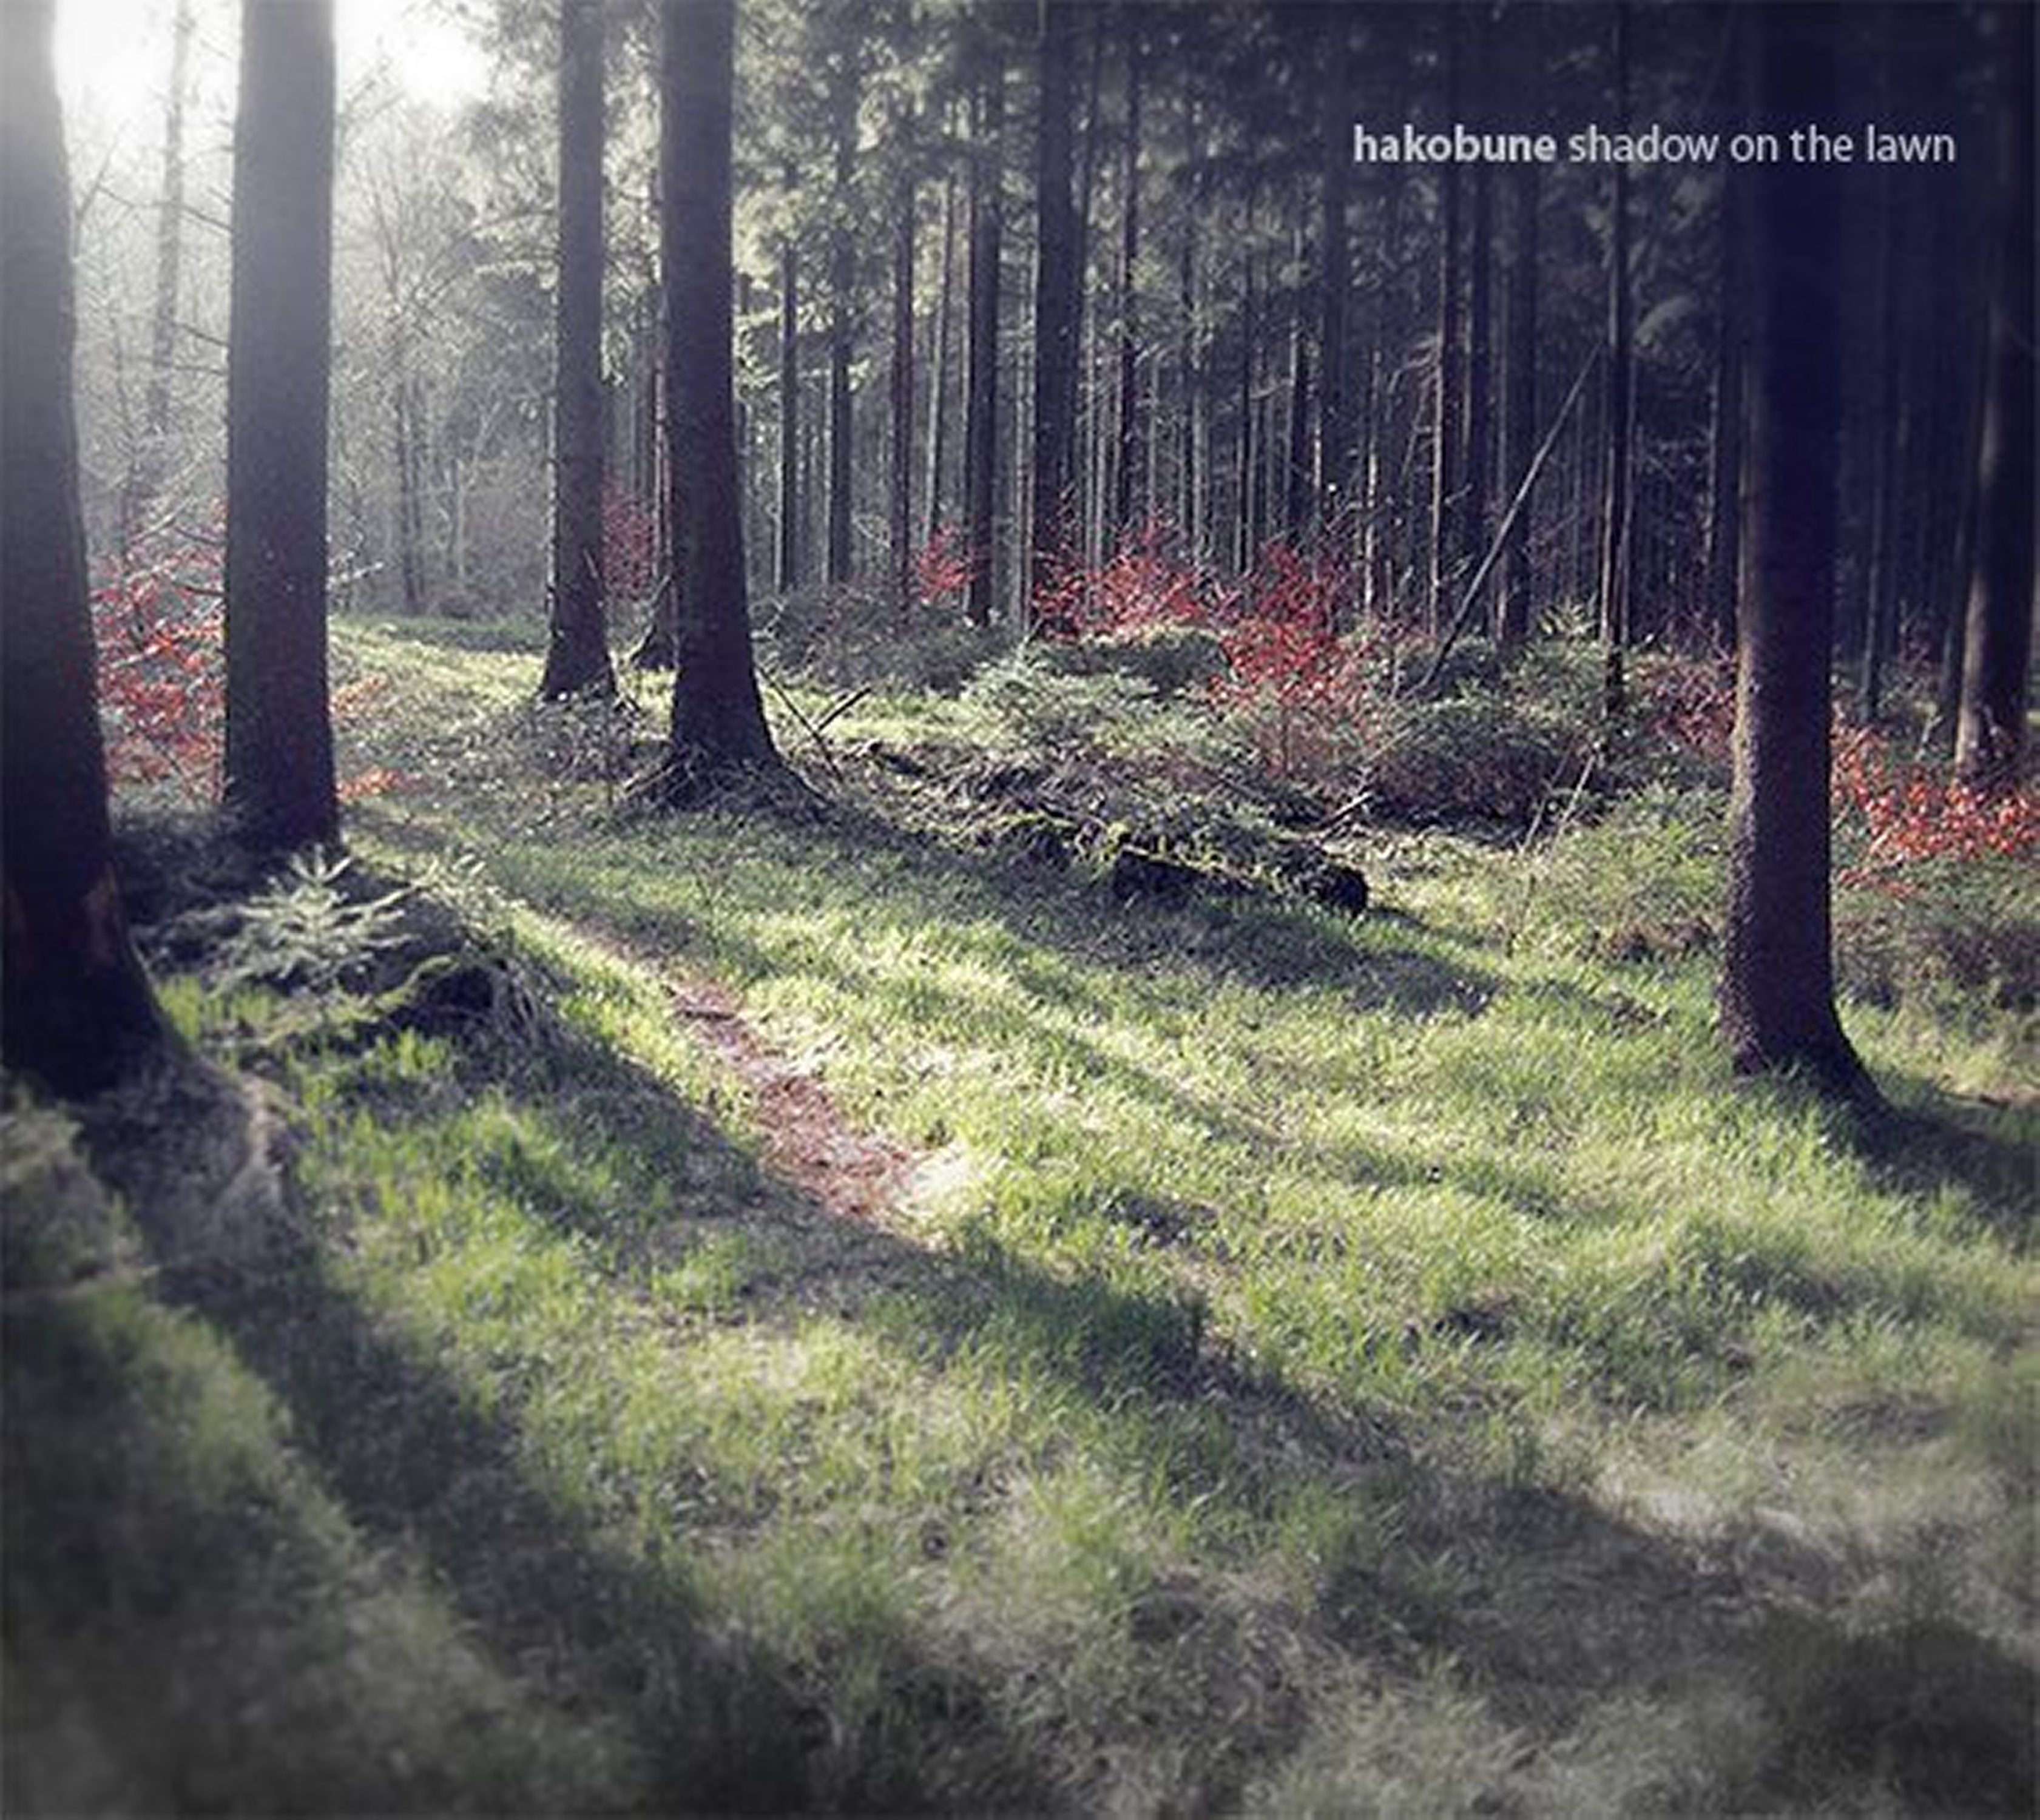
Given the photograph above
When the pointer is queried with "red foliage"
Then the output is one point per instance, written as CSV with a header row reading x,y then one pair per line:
x,y
944,568
159,628
1909,812
1145,584
1693,699
629,546
158,623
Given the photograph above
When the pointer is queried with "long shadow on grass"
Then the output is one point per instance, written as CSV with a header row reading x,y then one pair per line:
x,y
1549,1607
1930,1138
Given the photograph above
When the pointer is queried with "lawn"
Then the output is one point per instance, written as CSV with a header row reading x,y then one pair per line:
x,y
847,1313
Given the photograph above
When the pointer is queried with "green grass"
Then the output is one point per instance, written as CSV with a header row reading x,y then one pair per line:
x,y
1314,1365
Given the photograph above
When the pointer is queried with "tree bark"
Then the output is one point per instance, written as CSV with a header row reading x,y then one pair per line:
x,y
899,501
75,1009
1725,436
1613,592
1446,427
718,724
938,369
279,766
1131,414
843,277
1990,731
981,380
786,574
1520,404
1055,267
577,648
1335,417
1777,993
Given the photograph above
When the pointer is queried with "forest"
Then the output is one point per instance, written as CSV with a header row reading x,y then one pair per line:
x,y
1114,906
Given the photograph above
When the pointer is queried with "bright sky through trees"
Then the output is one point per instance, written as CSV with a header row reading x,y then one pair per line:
x,y
113,56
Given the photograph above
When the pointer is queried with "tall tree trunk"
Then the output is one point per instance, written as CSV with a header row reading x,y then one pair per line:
x,y
75,1010
1055,269
1614,587
980,434
1336,449
1480,368
1520,404
938,367
1196,422
718,721
787,572
1777,995
1297,487
1725,433
901,500
1880,587
1990,732
1130,413
843,274
1446,429
280,771
577,650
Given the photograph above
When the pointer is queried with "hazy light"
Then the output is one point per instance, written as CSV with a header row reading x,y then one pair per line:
x,y
113,56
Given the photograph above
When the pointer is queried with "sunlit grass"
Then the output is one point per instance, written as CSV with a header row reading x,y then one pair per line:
x,y
1311,1364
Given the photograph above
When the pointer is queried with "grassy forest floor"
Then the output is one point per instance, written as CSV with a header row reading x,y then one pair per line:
x,y
822,1304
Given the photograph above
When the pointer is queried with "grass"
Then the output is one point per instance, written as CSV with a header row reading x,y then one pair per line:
x,y
1311,1364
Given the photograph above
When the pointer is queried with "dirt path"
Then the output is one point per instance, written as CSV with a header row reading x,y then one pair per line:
x,y
806,1140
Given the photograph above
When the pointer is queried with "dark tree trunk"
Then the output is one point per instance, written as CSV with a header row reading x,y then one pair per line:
x,y
1132,415
577,650
1335,425
279,777
1480,368
938,369
980,434
1777,996
899,500
1190,356
1880,583
1446,428
1520,405
1613,592
1725,438
75,1009
718,720
843,276
1297,488
1990,732
1055,308
786,574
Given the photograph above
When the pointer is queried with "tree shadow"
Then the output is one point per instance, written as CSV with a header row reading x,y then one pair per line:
x,y
1925,1138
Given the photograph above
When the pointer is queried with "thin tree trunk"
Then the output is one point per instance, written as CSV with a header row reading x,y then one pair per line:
x,y
842,272
577,650
1520,405
1446,429
938,367
1131,414
279,765
787,572
75,1009
981,381
900,502
1614,586
1335,426
1726,437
